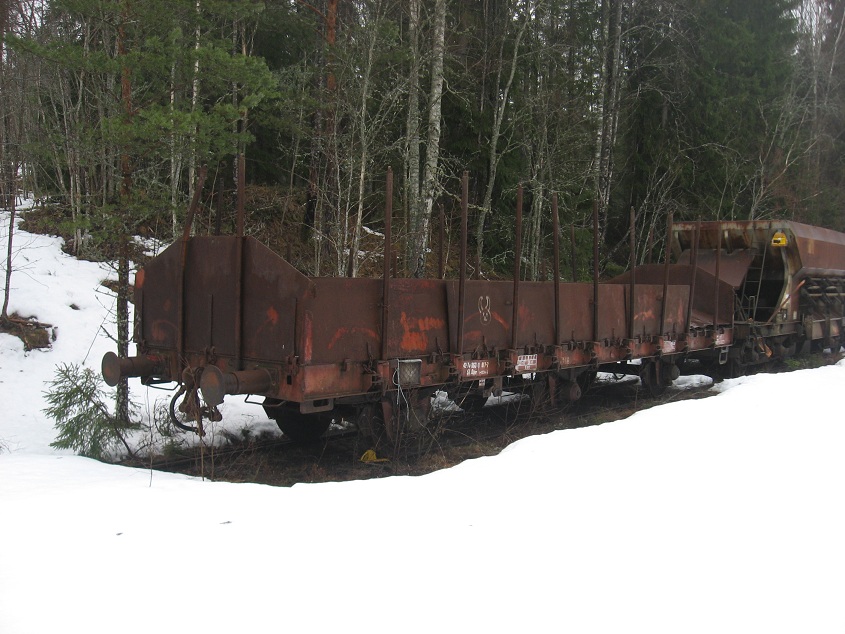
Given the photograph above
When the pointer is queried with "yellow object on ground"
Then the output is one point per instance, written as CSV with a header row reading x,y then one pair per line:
x,y
370,456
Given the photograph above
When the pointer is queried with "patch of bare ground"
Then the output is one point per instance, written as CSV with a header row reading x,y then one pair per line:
x,y
29,330
458,437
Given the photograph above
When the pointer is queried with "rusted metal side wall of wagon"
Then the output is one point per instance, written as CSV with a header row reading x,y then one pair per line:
x,y
649,291
156,304
419,318
342,321
223,309
821,251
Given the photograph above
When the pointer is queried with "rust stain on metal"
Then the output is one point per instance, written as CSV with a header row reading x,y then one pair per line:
x,y
272,315
160,330
343,332
472,335
426,324
308,337
415,331
502,321
413,341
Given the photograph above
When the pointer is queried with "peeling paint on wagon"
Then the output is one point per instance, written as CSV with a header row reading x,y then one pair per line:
x,y
415,332
161,331
344,332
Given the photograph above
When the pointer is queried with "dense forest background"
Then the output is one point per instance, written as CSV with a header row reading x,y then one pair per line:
x,y
709,109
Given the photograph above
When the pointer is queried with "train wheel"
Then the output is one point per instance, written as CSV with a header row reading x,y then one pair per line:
x,y
472,403
370,422
733,369
299,427
567,391
586,379
541,393
304,428
468,399
652,378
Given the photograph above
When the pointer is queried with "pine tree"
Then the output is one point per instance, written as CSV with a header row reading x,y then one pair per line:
x,y
741,69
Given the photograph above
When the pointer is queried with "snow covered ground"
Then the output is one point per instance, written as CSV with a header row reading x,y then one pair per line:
x,y
718,515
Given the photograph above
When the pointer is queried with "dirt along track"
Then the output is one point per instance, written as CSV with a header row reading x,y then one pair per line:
x,y
452,437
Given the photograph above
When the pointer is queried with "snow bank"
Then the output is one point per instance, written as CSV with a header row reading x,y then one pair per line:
x,y
716,515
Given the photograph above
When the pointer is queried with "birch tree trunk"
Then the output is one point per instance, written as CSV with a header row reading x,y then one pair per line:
x,y
175,155
493,155
432,150
412,150
331,198
612,13
362,171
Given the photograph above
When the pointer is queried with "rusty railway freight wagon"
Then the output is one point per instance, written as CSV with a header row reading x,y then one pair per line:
x,y
224,315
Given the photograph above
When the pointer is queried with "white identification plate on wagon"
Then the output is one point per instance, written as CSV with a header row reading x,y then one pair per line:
x,y
476,368
526,363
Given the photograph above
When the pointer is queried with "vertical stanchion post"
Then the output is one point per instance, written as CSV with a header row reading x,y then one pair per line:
x,y
633,281
595,270
666,260
186,237
650,244
240,257
462,278
516,268
218,216
694,264
572,261
556,265
195,202
241,194
441,262
388,259
717,276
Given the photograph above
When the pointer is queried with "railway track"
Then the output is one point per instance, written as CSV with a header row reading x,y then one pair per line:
x,y
453,436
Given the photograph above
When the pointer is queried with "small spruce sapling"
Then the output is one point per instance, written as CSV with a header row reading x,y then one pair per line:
x,y
76,401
